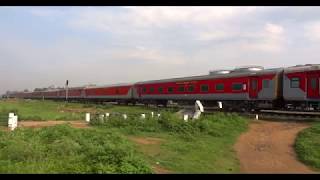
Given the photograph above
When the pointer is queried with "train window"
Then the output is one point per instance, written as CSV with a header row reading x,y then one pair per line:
x,y
204,88
151,89
314,83
160,89
181,89
170,89
265,83
237,86
219,87
144,89
191,88
295,83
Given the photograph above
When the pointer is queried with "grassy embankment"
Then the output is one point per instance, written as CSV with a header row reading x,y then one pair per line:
x,y
202,146
307,146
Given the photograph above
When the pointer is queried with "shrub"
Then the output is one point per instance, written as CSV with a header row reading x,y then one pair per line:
x,y
215,125
62,149
307,146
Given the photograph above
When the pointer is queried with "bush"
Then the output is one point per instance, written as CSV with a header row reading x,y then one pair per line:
x,y
218,124
62,149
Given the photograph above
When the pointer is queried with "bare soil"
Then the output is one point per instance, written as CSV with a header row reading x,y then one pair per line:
x,y
40,124
77,110
151,147
147,140
267,147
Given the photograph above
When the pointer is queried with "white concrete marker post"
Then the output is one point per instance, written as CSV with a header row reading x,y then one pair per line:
x,y
125,116
220,104
88,117
199,106
198,109
152,114
257,116
143,116
158,115
101,118
185,117
12,121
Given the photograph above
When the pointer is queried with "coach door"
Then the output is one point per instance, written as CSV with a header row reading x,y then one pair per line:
x,y
313,86
253,87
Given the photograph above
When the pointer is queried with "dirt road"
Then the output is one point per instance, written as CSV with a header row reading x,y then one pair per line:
x,y
267,147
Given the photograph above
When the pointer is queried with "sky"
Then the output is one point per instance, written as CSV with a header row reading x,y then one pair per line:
x,y
44,46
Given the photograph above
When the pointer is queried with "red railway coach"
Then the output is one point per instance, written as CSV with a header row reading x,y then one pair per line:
x,y
301,87
73,93
242,86
118,92
50,94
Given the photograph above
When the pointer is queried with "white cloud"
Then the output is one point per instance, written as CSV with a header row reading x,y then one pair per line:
x,y
312,31
274,29
46,11
149,56
272,39
214,35
159,17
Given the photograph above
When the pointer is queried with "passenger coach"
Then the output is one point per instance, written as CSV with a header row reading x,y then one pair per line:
x,y
242,87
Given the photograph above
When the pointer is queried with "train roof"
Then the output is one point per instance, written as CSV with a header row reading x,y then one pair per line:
x,y
233,73
299,68
110,85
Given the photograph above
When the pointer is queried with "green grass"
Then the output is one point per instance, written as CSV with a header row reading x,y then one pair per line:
x,y
307,146
53,110
201,146
40,110
62,149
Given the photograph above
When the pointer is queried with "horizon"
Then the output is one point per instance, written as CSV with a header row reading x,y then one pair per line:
x,y
44,46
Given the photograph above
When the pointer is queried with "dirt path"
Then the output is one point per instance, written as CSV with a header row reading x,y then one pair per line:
x,y
39,124
267,147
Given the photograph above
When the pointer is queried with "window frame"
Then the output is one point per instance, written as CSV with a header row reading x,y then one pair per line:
x,y
160,91
191,86
151,90
216,85
204,85
240,85
181,88
144,89
263,83
172,90
292,80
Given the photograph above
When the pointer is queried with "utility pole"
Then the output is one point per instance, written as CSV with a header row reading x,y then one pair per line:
x,y
67,82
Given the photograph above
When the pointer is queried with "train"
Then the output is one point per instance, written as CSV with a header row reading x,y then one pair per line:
x,y
245,89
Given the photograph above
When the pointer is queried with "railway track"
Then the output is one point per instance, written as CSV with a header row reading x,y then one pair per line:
x,y
262,114
276,115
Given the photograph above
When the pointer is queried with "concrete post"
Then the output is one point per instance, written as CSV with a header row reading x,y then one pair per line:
x,y
12,121
88,117
143,116
220,104
185,117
